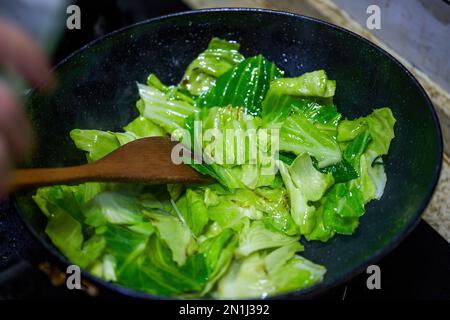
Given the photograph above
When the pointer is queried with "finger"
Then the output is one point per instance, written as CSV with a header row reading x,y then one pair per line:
x,y
22,53
14,127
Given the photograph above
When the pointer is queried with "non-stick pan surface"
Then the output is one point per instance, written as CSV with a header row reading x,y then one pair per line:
x,y
97,89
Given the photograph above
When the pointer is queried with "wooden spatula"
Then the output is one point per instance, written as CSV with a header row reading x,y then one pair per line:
x,y
145,160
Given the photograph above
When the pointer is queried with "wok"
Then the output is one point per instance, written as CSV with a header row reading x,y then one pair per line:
x,y
97,89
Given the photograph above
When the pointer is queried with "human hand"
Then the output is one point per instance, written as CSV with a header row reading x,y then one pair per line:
x,y
22,55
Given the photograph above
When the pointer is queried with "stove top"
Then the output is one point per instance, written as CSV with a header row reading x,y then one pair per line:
x,y
418,269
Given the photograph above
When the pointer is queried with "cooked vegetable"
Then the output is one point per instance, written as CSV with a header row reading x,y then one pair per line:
x,y
218,58
288,169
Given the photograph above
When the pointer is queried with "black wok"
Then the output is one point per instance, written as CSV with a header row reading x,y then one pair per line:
x,y
96,89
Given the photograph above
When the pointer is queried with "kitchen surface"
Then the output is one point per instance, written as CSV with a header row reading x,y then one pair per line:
x,y
417,34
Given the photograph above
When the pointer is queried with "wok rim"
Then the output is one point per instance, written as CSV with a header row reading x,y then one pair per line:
x,y
316,289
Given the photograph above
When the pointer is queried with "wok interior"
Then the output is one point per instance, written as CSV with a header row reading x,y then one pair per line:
x,y
97,89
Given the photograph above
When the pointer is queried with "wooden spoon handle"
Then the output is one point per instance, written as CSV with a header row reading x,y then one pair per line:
x,y
23,178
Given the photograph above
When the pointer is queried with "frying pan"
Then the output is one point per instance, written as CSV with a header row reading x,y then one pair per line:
x,y
97,89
